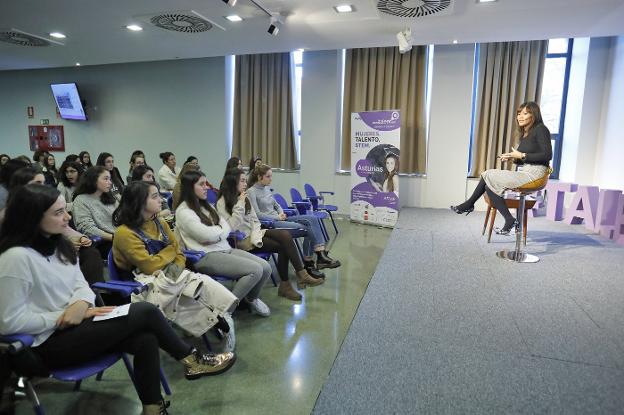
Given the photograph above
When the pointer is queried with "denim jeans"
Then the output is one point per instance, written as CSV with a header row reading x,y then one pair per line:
x,y
310,223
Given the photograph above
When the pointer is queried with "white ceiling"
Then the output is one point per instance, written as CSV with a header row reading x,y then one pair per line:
x,y
96,31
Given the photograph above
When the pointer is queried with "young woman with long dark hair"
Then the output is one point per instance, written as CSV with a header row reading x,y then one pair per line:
x,y
145,243
94,205
107,161
263,202
85,159
44,294
532,155
50,171
68,177
234,206
200,228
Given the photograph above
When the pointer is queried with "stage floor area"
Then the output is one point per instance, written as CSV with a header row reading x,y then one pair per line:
x,y
445,327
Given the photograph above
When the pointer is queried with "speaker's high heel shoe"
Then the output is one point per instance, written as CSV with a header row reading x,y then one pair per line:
x,y
460,210
508,230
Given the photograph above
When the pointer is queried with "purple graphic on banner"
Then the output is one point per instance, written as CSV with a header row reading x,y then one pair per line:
x,y
367,193
365,168
381,120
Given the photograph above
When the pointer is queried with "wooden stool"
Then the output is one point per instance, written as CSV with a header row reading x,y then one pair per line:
x,y
511,204
517,255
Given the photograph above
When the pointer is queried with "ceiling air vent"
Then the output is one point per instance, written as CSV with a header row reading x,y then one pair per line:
x,y
414,8
19,38
188,21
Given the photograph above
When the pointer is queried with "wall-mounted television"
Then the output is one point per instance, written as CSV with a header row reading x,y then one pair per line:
x,y
68,101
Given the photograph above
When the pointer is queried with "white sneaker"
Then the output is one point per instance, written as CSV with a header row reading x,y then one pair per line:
x,y
229,337
259,307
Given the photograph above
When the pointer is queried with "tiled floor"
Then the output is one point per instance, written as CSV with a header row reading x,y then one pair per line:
x,y
283,360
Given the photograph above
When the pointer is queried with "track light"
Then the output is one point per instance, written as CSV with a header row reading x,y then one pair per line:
x,y
230,3
405,40
274,26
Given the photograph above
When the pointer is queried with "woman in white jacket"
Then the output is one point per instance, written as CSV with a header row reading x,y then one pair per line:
x,y
234,206
199,227
168,173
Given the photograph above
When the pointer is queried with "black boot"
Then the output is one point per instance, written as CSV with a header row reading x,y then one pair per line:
x,y
311,268
324,261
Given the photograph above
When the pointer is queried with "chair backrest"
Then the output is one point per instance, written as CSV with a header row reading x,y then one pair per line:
x,y
280,200
113,274
309,190
295,195
211,197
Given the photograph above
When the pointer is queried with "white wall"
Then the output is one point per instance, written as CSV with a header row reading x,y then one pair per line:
x,y
609,173
156,106
180,106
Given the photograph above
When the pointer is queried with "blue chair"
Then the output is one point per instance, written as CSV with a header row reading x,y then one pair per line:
x,y
16,344
305,207
288,210
318,202
211,197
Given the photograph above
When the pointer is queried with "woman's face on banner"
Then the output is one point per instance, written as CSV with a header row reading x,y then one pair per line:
x,y
390,164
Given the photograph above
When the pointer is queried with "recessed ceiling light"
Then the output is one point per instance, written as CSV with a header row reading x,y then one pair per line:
x,y
134,27
454,41
486,1
77,63
344,8
58,35
234,18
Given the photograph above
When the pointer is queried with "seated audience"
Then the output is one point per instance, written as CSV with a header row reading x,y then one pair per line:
x,y
7,171
68,176
24,176
266,207
3,159
146,174
137,159
85,159
145,244
234,206
72,157
200,228
107,161
44,294
176,189
39,159
254,162
94,205
50,171
191,160
168,173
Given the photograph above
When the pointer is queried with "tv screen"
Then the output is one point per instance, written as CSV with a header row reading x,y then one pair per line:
x,y
68,101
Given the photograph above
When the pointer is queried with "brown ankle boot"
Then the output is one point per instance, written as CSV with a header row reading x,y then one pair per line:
x,y
197,364
304,280
287,291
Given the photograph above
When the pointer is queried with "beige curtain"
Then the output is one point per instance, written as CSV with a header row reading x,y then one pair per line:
x,y
383,79
509,74
263,110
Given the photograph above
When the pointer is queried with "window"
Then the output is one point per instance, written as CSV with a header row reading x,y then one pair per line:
x,y
296,58
554,94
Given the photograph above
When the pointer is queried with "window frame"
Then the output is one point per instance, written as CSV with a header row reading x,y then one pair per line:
x,y
558,137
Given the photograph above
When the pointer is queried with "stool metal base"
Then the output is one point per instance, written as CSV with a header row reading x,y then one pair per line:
x,y
521,257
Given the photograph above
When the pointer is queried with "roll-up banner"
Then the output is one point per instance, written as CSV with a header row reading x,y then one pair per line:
x,y
375,140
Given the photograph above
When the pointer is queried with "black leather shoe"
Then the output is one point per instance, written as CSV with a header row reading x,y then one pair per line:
x,y
311,268
460,210
324,261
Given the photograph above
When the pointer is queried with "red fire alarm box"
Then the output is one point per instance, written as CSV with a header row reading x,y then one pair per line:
x,y
46,137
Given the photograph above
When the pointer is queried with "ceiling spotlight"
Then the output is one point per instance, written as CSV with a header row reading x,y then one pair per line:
x,y
405,40
486,1
234,18
455,41
134,27
58,35
274,26
344,8
231,3
77,63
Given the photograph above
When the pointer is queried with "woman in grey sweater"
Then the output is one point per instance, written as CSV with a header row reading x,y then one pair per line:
x,y
266,207
94,206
